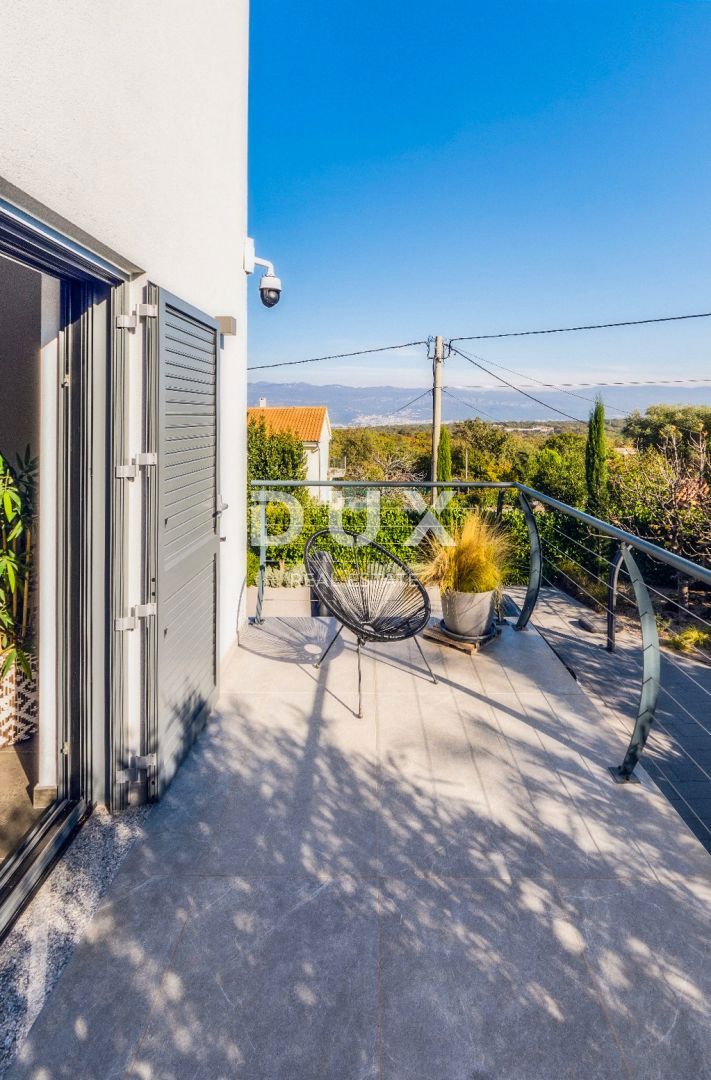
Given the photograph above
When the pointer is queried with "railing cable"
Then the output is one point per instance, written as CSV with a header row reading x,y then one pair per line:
x,y
573,581
676,604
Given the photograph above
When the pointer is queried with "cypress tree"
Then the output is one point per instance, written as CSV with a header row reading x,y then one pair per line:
x,y
596,462
444,456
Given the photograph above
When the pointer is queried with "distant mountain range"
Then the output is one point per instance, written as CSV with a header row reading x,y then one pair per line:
x,y
367,406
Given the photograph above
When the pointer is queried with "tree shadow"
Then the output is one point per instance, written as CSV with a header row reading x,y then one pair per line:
x,y
425,893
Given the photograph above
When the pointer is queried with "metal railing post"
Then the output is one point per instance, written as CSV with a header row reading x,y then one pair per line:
x,y
535,566
651,666
262,554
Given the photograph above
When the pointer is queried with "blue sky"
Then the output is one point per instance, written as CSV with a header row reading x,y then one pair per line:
x,y
420,168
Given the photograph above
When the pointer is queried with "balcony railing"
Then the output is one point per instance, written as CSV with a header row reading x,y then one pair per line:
x,y
619,565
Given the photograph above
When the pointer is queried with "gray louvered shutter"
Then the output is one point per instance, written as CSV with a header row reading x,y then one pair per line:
x,y
187,510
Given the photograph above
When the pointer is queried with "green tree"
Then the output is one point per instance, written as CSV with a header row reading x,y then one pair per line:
x,y
444,456
686,426
352,449
596,462
660,497
275,455
559,468
491,449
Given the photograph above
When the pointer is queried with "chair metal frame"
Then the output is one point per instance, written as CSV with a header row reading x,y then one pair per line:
x,y
363,607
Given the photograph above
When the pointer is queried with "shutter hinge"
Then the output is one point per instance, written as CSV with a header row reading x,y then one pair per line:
x,y
141,311
138,761
144,611
141,461
140,611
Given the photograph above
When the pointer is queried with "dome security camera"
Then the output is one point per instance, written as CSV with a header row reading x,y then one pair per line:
x,y
270,284
270,290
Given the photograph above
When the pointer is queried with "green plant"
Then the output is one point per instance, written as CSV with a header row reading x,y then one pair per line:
x,y
444,456
689,639
273,455
575,580
252,567
559,468
596,462
17,509
287,577
477,561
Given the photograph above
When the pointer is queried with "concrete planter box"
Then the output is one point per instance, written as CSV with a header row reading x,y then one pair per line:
x,y
281,601
468,614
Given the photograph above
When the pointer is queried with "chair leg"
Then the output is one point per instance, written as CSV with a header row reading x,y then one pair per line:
x,y
327,650
432,674
360,694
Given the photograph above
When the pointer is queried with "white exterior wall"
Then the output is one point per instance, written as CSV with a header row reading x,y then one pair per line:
x,y
317,459
130,120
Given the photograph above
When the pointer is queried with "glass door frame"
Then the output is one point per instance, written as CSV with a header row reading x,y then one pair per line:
x,y
84,723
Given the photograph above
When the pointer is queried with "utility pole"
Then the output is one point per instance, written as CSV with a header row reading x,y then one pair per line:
x,y
436,400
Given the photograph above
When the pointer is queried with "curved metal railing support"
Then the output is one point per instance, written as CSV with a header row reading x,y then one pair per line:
x,y
262,502
651,664
612,583
535,566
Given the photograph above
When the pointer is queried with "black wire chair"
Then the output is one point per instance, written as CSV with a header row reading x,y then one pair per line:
x,y
371,592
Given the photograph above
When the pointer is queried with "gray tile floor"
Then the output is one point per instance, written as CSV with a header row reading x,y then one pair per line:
x,y
678,754
449,889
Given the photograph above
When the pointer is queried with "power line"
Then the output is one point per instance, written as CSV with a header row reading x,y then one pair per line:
x,y
337,356
547,386
592,385
591,326
418,398
553,386
561,388
518,389
468,405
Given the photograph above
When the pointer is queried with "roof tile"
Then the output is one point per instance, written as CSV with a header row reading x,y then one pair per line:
x,y
306,422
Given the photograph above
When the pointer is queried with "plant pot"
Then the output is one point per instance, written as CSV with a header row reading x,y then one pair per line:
x,y
19,705
468,614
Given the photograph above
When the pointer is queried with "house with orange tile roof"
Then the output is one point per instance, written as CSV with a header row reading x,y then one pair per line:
x,y
310,424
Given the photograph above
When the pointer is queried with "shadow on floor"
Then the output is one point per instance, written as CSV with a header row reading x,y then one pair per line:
x,y
413,895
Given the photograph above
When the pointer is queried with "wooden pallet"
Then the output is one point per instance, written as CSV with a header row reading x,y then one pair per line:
x,y
433,633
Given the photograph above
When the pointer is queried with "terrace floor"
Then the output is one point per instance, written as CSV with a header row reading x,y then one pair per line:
x,y
451,888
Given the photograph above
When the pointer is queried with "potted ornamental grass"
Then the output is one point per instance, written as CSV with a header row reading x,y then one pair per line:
x,y
470,573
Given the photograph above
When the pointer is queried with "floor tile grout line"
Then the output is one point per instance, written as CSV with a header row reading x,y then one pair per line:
x,y
154,1000
379,1036
595,986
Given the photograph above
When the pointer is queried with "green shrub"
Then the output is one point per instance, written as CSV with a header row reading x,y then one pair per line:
x,y
689,639
252,567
